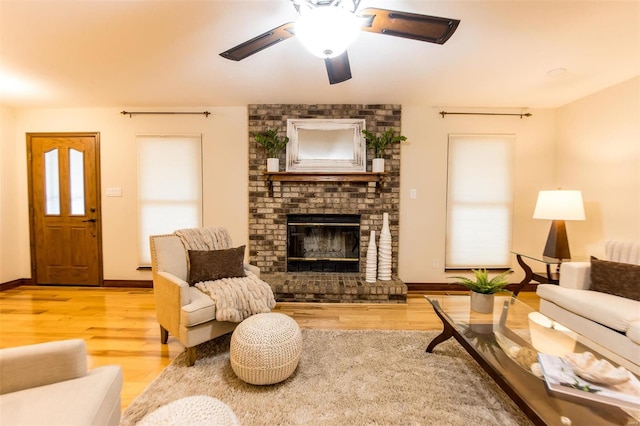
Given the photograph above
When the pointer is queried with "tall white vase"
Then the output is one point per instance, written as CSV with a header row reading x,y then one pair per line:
x,y
372,259
384,250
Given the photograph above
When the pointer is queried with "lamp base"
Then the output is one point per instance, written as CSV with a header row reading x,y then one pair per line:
x,y
557,245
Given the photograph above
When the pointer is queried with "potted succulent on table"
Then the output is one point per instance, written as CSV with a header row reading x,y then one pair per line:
x,y
273,144
379,143
483,289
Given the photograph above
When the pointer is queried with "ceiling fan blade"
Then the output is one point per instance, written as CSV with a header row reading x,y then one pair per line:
x,y
408,25
338,68
260,42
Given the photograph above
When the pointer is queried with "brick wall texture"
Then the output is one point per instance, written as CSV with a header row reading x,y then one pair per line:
x,y
268,214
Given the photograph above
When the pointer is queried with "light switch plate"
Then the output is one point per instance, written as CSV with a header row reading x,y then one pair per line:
x,y
114,192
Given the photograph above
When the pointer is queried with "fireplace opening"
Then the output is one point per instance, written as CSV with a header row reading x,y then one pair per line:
x,y
323,243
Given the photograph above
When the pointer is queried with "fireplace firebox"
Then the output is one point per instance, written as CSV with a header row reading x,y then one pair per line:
x,y
323,243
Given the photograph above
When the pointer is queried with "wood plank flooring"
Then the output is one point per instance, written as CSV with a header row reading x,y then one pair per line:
x,y
119,324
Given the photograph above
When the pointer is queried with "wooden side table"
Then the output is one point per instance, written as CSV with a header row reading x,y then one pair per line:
x,y
547,277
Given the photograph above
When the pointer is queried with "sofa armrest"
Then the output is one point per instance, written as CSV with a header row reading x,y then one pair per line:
x,y
576,275
26,367
252,268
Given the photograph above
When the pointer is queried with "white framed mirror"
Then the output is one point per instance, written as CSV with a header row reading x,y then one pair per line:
x,y
326,145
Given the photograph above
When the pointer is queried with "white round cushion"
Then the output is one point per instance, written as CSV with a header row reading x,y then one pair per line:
x,y
192,411
265,348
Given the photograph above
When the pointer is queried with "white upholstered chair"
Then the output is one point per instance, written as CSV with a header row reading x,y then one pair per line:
x,y
184,311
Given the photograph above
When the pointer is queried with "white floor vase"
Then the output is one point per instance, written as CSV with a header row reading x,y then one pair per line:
x,y
372,259
384,250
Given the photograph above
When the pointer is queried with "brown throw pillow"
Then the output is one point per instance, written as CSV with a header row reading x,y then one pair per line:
x,y
620,279
211,265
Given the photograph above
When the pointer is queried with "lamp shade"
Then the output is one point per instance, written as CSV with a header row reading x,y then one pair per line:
x,y
559,205
327,31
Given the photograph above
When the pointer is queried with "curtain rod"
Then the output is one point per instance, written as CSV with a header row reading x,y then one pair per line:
x,y
131,113
443,113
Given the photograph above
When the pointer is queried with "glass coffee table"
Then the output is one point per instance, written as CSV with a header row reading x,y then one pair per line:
x,y
491,338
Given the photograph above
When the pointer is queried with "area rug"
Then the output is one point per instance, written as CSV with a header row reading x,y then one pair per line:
x,y
345,378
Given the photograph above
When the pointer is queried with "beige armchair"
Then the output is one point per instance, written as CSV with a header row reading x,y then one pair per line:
x,y
185,312
49,384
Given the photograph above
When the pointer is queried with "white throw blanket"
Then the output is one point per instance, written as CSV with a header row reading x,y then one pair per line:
x,y
209,238
235,298
239,298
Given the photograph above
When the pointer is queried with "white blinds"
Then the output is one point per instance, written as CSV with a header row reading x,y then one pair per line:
x,y
479,201
169,187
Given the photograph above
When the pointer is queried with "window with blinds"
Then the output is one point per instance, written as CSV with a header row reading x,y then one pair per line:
x,y
479,201
169,187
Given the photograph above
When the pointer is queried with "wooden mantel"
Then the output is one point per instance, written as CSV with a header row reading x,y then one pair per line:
x,y
324,177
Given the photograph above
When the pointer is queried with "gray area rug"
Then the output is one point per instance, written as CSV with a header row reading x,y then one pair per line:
x,y
345,378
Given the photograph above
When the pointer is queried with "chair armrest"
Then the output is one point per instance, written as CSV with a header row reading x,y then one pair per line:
x,y
170,293
26,367
576,275
252,268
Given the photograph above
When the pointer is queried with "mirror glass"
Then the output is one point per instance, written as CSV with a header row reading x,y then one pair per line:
x,y
325,145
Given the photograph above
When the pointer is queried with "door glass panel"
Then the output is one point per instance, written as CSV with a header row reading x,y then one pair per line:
x,y
51,182
76,181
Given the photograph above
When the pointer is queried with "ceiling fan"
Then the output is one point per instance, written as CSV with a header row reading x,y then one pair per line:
x,y
327,27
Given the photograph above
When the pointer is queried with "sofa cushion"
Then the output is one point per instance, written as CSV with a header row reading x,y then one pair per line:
x,y
612,311
633,333
211,265
620,279
200,310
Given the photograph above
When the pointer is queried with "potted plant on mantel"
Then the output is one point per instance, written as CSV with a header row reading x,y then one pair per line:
x,y
483,289
379,143
273,144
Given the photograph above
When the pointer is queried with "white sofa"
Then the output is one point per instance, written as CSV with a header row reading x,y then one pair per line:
x,y
49,384
611,323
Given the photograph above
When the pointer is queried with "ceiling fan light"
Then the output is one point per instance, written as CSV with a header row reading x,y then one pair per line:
x,y
327,31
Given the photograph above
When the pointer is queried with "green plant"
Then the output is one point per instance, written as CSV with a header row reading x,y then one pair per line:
x,y
379,143
482,283
271,142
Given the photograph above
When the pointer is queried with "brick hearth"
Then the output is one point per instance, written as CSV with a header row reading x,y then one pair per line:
x,y
334,287
268,213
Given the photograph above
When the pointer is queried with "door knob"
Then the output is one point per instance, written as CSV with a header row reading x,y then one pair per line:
x,y
93,219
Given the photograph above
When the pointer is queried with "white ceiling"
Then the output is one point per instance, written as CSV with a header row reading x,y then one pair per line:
x,y
89,53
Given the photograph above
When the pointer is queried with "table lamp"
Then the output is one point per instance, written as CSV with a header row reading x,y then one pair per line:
x,y
558,206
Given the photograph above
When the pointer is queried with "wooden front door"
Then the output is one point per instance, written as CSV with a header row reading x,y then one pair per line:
x,y
64,190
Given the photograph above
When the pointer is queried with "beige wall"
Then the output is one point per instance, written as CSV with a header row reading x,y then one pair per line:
x,y
225,173
591,145
424,168
599,153
14,264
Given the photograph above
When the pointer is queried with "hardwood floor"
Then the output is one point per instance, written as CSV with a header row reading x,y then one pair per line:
x,y
119,324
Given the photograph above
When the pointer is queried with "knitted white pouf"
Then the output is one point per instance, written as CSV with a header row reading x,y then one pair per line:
x,y
265,348
192,411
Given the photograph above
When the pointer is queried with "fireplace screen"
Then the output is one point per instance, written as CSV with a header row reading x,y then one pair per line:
x,y
323,243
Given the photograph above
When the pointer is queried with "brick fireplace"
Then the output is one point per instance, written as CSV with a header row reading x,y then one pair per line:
x,y
269,208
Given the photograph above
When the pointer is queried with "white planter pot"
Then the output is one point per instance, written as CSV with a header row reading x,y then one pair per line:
x,y
377,165
273,164
482,303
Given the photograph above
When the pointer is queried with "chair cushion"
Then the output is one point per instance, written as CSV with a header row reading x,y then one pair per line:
x,y
620,279
611,311
211,265
201,309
